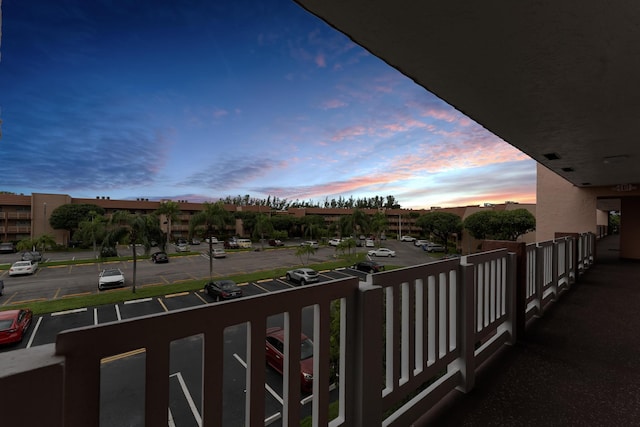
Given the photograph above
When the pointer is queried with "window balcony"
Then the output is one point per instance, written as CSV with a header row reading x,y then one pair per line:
x,y
408,340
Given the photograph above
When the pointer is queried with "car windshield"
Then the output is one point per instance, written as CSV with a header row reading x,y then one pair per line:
x,y
5,324
226,285
306,349
111,273
23,264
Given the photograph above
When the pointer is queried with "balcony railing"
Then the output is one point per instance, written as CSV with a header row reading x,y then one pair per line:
x,y
407,338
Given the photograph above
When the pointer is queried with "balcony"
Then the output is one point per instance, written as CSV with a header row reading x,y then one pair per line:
x,y
442,341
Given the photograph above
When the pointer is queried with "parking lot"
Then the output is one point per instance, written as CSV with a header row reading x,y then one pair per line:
x,y
123,373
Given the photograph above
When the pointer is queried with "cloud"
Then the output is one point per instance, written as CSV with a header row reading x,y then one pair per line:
x,y
320,60
332,104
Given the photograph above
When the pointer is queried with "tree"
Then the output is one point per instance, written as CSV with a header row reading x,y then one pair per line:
x,y
481,224
440,224
68,217
135,229
213,217
303,250
500,225
263,226
515,223
170,210
378,224
92,230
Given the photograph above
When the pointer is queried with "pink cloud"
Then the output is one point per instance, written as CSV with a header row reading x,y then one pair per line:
x,y
333,104
320,60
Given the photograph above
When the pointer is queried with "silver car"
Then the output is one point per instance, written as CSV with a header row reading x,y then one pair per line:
x,y
303,276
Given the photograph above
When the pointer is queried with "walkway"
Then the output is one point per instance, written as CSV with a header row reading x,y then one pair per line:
x,y
579,365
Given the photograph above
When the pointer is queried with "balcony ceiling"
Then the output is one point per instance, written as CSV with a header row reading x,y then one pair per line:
x,y
549,77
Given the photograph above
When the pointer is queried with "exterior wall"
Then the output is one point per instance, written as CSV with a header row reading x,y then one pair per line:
x,y
41,207
562,207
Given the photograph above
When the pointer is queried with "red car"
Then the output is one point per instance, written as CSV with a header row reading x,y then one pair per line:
x,y
14,324
275,356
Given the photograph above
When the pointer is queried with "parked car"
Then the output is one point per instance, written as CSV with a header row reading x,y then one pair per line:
x,y
369,243
195,241
303,276
108,252
14,324
275,242
223,289
110,278
451,256
23,267
433,247
159,257
211,240
420,242
7,248
183,247
368,266
1,287
218,253
335,241
231,244
382,252
274,348
311,243
407,239
31,256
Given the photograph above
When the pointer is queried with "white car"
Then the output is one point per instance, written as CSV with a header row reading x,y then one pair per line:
x,y
302,275
421,242
110,278
219,253
335,242
369,243
213,240
311,243
182,247
382,252
23,267
407,239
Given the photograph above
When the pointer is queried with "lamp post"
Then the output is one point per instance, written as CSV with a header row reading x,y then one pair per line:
x,y
44,218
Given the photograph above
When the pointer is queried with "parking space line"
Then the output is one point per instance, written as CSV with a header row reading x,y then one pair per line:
x,y
118,312
136,301
187,395
10,298
95,316
202,299
33,333
179,294
267,386
258,286
76,295
57,293
77,310
123,355
27,301
164,307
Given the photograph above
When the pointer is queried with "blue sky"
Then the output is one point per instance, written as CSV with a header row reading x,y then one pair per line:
x,y
200,100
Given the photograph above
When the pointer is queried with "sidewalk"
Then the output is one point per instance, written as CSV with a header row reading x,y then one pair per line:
x,y
578,365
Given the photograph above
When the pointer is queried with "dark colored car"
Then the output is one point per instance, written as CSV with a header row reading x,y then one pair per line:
x,y
159,257
368,266
31,256
274,348
275,242
1,287
108,252
223,290
231,244
14,324
7,248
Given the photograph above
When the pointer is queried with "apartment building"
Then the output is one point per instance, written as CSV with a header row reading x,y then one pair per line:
x,y
28,216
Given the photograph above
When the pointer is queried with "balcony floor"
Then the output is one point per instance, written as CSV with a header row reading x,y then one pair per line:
x,y
577,365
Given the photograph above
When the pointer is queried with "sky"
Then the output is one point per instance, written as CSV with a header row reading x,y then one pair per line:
x,y
202,99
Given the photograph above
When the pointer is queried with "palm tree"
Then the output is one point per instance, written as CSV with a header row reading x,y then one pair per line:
x,y
378,224
213,217
135,228
263,226
170,210
92,229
